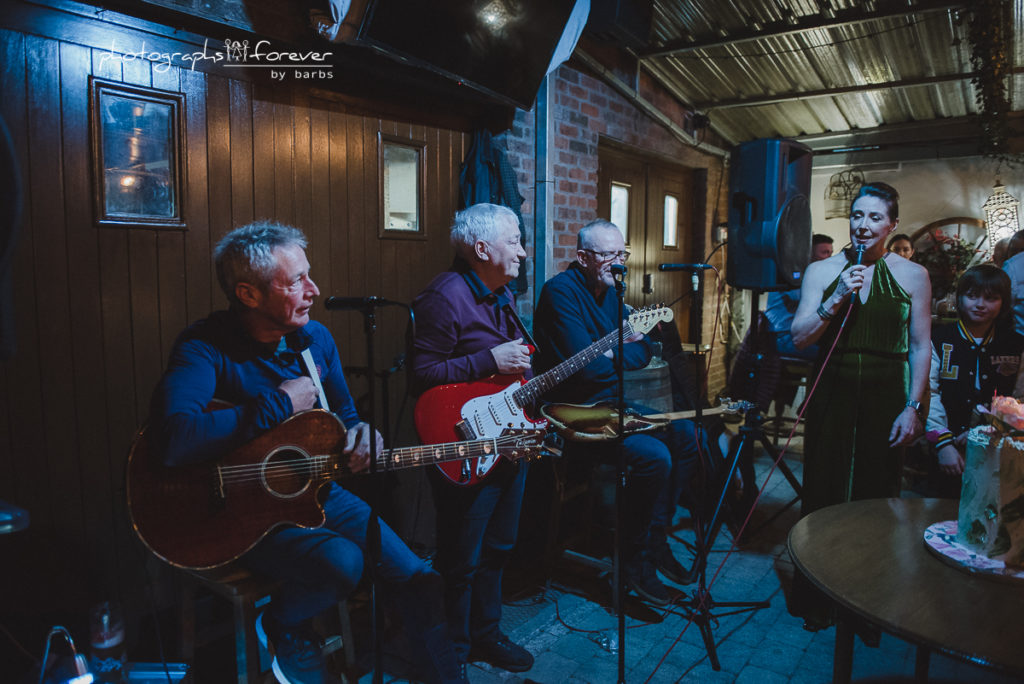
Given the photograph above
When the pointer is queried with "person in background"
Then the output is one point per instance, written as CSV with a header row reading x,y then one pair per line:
x,y
866,406
1014,267
900,244
974,358
466,330
260,356
999,252
781,307
576,308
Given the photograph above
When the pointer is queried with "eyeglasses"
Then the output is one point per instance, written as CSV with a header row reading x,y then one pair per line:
x,y
608,256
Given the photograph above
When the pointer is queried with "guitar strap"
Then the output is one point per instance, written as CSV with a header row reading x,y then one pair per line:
x,y
511,310
307,360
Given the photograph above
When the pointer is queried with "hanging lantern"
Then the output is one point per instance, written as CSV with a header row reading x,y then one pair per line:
x,y
842,189
1000,214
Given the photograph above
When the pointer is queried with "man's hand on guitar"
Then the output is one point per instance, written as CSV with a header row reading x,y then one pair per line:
x,y
357,446
301,391
635,337
512,357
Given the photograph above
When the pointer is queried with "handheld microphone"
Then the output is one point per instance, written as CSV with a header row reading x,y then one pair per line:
x,y
860,254
348,303
684,267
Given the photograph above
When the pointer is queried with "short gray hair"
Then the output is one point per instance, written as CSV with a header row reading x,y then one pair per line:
x,y
245,255
584,240
478,222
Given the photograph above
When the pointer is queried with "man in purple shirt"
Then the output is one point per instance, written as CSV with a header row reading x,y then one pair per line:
x,y
466,330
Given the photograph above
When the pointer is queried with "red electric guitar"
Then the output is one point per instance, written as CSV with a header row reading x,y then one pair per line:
x,y
484,408
206,515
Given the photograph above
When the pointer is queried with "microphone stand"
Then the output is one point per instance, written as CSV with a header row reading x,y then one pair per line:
x,y
619,273
701,604
367,306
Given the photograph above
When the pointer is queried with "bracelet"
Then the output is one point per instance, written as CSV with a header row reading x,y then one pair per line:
x,y
823,313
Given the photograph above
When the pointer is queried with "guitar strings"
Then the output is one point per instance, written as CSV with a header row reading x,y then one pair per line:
x,y
317,464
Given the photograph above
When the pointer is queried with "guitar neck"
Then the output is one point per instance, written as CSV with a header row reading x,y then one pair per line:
x,y
331,465
532,390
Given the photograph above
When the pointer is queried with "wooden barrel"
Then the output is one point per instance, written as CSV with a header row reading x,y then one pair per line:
x,y
650,386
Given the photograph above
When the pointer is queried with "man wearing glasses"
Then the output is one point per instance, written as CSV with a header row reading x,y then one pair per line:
x,y
576,308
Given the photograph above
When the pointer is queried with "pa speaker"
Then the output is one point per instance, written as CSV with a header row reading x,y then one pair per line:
x,y
769,214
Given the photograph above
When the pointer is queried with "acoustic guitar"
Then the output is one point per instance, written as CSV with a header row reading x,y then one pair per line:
x,y
206,515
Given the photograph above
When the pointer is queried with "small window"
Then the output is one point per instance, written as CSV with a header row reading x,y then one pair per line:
x,y
671,221
401,191
620,208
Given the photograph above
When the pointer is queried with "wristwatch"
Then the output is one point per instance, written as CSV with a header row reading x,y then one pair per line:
x,y
916,405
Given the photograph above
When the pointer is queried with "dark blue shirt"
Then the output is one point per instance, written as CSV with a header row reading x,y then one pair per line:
x,y
215,358
569,318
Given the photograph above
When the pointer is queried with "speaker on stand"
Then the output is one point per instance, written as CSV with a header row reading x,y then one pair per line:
x,y
769,215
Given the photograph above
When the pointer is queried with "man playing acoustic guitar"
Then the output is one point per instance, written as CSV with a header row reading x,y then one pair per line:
x,y
466,330
268,360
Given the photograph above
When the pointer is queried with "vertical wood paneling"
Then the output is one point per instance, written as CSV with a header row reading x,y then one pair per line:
x,y
319,192
219,136
337,194
263,152
199,279
118,361
12,106
55,444
171,283
240,105
89,388
282,134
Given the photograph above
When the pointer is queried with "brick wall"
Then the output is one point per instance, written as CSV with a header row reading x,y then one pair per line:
x,y
583,109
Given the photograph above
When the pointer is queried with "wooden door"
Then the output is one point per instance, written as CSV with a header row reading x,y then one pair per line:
x,y
637,194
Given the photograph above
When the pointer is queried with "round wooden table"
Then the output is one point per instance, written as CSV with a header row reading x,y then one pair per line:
x,y
870,557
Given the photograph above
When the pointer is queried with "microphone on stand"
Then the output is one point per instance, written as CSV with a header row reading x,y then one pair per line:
x,y
619,269
357,303
684,267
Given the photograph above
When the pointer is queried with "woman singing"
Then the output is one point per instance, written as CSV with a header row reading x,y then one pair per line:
x,y
867,404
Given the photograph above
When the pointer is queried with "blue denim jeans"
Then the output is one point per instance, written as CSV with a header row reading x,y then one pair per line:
x,y
476,530
680,438
320,566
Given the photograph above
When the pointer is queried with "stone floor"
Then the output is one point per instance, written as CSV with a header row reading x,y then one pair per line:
x,y
568,626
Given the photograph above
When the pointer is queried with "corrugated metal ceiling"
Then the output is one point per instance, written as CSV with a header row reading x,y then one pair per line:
x,y
794,68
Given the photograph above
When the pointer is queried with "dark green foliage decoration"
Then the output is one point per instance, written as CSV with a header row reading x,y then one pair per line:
x,y
990,32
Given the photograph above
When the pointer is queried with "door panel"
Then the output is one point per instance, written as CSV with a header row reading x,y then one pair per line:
x,y
648,184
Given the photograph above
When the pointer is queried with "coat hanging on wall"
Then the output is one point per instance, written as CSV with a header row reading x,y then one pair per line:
x,y
487,176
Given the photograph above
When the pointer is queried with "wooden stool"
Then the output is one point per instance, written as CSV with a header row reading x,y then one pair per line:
x,y
249,594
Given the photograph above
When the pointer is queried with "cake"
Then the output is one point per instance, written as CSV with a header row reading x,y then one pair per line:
x,y
991,517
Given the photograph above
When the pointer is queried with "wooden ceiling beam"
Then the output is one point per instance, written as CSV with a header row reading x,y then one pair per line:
x,y
847,17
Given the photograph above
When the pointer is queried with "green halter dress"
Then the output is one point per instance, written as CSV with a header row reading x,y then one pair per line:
x,y
861,392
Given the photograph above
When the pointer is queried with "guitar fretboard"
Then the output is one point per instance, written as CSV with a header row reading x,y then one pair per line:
x,y
532,390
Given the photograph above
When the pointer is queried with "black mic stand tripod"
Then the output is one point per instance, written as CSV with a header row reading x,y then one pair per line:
x,y
699,607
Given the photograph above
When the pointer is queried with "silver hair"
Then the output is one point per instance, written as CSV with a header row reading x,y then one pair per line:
x,y
584,240
246,254
478,222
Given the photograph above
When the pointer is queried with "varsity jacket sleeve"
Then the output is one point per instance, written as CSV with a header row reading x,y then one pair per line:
x,y
937,424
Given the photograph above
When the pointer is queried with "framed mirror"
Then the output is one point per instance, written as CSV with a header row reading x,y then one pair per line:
x,y
402,164
137,147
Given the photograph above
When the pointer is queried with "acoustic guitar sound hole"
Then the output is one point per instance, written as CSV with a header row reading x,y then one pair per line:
x,y
287,472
